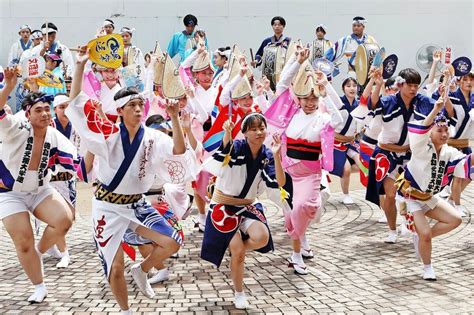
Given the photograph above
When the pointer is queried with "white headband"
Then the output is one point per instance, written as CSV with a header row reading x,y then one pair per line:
x,y
399,80
322,26
37,35
108,22
121,102
24,27
363,22
225,53
127,30
49,30
60,99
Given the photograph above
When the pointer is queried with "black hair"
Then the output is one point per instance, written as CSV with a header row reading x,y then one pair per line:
x,y
126,91
320,29
154,119
113,24
348,80
190,19
50,26
31,99
410,75
389,82
279,18
250,119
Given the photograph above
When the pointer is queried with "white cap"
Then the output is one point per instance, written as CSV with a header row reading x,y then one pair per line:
x,y
60,99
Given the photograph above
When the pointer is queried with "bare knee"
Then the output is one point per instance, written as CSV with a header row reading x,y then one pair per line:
x,y
117,271
238,254
262,239
456,222
425,235
23,244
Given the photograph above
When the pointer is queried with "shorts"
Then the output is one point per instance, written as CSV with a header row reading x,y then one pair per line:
x,y
245,224
15,202
418,205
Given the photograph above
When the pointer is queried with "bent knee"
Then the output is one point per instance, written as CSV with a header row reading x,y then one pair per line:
x,y
456,221
424,235
23,244
262,239
238,254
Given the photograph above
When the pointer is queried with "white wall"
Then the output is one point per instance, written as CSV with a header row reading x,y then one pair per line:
x,y
401,26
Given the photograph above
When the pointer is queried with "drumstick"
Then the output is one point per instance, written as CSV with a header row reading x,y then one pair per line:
x,y
251,55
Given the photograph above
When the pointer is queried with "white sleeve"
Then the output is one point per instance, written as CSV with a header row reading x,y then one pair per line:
x,y
287,75
198,109
336,118
418,137
262,102
226,95
332,94
188,62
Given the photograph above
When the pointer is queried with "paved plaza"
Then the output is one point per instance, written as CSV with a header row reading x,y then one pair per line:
x,y
353,272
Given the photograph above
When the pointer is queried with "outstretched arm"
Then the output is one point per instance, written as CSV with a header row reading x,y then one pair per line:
x,y
172,108
10,82
76,85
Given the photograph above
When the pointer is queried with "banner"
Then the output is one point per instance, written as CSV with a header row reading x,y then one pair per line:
x,y
50,80
107,51
33,67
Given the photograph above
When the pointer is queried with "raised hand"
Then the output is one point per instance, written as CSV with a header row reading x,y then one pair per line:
x,y
189,90
83,55
276,145
437,56
259,87
228,126
186,120
10,76
172,107
201,47
303,55
266,83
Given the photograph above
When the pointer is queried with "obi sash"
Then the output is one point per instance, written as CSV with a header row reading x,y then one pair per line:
x,y
302,149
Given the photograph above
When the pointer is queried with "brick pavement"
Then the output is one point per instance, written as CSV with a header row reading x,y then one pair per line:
x,y
352,272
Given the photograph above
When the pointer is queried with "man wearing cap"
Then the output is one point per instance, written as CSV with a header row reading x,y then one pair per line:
x,y
320,44
346,46
50,45
177,44
20,45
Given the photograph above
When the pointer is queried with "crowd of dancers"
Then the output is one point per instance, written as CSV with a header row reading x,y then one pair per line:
x,y
206,134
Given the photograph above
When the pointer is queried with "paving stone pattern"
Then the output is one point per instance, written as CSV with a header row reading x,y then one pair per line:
x,y
353,272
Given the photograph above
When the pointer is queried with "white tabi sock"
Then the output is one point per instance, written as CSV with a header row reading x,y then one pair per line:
x,y
202,218
65,260
40,255
127,312
304,242
297,258
39,294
